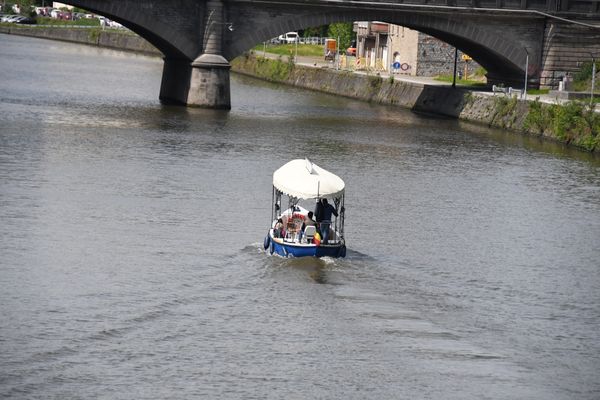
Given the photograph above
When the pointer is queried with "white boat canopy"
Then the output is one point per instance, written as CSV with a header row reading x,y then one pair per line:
x,y
304,180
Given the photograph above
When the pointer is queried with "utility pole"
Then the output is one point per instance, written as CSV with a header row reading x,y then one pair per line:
x,y
337,55
526,70
593,81
455,62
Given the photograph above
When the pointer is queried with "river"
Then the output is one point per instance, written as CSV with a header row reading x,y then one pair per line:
x,y
131,260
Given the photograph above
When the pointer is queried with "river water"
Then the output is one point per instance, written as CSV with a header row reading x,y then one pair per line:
x,y
131,261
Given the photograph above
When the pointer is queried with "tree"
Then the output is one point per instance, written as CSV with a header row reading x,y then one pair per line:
x,y
25,6
343,30
316,31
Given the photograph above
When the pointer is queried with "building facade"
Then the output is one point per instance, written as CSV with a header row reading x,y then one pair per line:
x,y
401,50
58,5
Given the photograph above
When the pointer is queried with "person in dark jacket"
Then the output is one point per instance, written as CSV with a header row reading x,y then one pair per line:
x,y
318,211
326,212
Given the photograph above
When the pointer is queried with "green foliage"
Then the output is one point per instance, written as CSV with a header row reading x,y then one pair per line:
x,y
78,22
317,31
585,73
505,114
538,91
343,30
573,122
375,82
274,70
469,99
308,50
565,119
583,78
94,34
538,119
577,122
462,82
25,6
480,72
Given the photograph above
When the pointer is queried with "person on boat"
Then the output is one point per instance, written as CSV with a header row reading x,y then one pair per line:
x,y
319,211
326,212
308,221
278,229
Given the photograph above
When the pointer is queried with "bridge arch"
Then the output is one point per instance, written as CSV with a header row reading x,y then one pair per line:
x,y
502,55
175,36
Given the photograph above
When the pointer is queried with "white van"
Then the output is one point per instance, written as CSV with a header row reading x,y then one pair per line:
x,y
290,37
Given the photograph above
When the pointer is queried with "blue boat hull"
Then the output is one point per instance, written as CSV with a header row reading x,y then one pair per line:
x,y
299,250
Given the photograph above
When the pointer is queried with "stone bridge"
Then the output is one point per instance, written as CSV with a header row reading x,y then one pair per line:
x,y
199,37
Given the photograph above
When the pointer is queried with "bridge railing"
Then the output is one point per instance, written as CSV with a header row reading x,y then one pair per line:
x,y
301,40
550,6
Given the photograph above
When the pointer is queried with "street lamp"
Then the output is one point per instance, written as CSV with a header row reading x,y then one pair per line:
x,y
526,70
455,62
210,22
593,79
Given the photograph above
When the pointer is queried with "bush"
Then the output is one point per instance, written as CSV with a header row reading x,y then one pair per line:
x,y
274,70
538,118
582,78
573,122
505,114
585,73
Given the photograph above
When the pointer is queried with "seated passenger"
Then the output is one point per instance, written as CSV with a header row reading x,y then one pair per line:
x,y
278,231
309,221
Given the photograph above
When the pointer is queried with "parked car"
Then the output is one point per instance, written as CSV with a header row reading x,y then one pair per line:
x,y
290,37
9,18
26,20
13,18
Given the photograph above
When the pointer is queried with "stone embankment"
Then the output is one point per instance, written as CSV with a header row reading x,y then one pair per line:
x,y
573,123
111,38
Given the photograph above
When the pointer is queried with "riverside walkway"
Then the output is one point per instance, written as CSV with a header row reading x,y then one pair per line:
x,y
319,62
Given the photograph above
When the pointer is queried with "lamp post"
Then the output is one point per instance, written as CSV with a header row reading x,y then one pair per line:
x,y
337,54
526,70
455,61
209,24
593,80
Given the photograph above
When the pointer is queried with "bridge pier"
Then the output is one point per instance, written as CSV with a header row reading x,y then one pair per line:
x,y
202,83
209,83
176,78
205,81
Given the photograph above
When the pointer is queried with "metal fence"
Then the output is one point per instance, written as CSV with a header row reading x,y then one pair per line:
x,y
301,40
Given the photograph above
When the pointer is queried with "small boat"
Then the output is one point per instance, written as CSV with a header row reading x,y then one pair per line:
x,y
293,232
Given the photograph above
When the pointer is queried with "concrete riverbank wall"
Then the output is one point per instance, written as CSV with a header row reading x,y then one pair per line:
x,y
574,123
571,124
111,38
